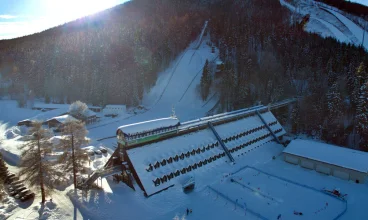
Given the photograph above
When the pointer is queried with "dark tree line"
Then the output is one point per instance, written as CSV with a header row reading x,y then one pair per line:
x,y
268,58
348,6
114,56
110,57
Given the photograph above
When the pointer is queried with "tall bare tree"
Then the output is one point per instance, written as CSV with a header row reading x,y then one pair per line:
x,y
74,133
38,171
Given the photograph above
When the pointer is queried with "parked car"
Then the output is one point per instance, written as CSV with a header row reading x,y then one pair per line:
x,y
103,150
98,152
27,196
22,193
11,178
15,186
16,182
90,152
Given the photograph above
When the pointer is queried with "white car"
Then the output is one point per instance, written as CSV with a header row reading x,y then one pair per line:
x,y
98,152
103,150
90,152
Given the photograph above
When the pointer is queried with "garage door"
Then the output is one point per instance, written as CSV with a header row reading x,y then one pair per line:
x,y
307,164
291,159
341,174
323,169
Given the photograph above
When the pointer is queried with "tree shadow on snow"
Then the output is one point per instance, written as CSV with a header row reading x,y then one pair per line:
x,y
46,209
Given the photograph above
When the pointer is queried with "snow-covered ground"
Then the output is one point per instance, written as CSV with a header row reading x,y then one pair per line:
x,y
328,21
269,187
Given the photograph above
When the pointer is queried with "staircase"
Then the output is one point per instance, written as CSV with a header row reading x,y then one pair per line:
x,y
220,141
100,173
268,127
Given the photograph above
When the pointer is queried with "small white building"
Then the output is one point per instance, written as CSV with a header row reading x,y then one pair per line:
x,y
328,159
114,110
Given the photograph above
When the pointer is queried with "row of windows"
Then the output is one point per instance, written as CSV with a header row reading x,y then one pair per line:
x,y
237,136
176,158
234,149
187,169
194,166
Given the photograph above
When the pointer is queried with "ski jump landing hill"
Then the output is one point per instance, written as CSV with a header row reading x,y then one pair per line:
x,y
201,145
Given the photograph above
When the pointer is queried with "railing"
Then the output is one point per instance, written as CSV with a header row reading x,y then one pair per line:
x,y
220,141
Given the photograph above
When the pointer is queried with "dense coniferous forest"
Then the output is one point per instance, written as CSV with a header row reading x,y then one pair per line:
x,y
268,58
112,57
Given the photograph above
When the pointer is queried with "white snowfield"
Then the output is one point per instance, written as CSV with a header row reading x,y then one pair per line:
x,y
327,21
339,156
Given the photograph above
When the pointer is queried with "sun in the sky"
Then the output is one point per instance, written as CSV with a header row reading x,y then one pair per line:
x,y
72,9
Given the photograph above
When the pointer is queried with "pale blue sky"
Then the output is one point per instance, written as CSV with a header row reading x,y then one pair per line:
x,y
23,17
363,2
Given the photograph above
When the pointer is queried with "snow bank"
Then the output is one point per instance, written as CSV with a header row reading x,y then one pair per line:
x,y
7,206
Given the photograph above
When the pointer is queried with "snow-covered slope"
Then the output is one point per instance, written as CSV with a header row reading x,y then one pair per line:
x,y
328,21
175,87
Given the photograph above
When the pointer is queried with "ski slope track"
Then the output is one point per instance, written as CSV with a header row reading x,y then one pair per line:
x,y
327,21
175,87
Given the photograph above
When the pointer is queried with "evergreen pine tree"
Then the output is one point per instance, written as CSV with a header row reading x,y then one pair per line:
x,y
206,81
74,133
362,116
34,165
334,103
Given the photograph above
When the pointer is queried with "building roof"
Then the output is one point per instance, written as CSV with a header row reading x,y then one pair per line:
x,y
142,157
148,125
115,106
47,115
89,113
331,154
62,119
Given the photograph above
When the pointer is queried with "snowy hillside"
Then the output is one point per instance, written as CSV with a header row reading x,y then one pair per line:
x,y
176,87
327,21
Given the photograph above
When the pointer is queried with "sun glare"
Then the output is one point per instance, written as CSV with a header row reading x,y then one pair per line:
x,y
68,10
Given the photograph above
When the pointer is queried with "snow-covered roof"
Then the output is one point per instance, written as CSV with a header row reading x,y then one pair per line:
x,y
89,113
115,106
148,125
142,157
63,118
338,156
47,115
